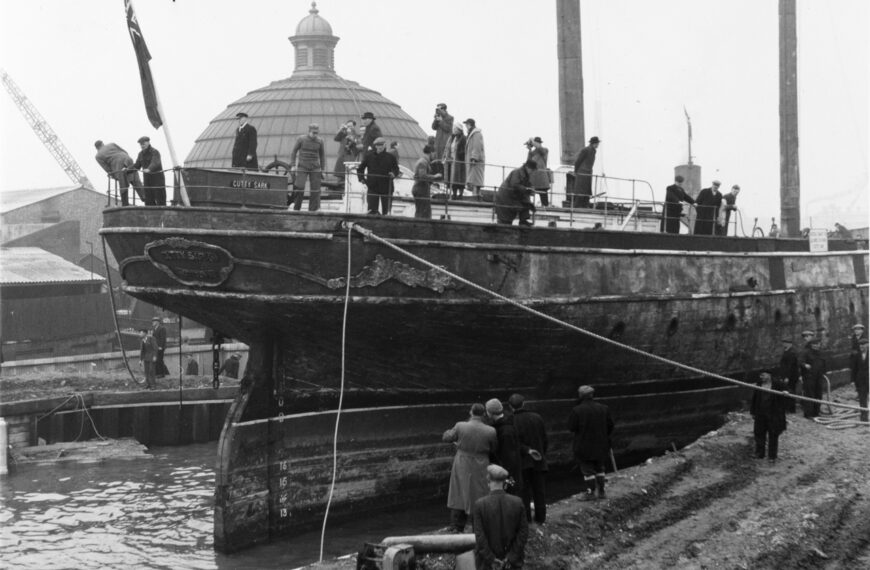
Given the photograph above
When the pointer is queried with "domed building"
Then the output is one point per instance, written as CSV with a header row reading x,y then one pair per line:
x,y
282,110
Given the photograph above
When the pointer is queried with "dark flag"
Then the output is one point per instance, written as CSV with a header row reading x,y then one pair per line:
x,y
143,57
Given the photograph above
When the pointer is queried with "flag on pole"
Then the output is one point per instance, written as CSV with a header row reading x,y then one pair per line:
x,y
143,57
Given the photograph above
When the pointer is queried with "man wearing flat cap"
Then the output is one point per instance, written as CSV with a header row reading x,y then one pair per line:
x,y
813,368
307,159
532,433
118,164
707,204
377,171
789,370
371,133
475,442
245,145
153,178
158,331
673,210
508,453
857,334
500,526
592,426
582,189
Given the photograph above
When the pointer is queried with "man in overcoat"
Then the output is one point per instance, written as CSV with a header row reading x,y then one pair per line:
x,y
813,368
532,434
768,412
371,132
118,164
148,357
591,424
475,156
245,145
158,331
707,204
859,375
500,526
154,180
377,170
423,178
475,442
582,190
514,197
789,370
673,210
442,124
508,452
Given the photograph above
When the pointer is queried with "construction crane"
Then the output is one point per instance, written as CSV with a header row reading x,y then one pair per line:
x,y
45,133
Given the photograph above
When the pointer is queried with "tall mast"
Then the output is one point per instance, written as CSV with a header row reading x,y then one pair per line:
x,y
689,123
571,122
789,169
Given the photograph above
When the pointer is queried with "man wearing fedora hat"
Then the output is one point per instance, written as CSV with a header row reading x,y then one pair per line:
x,y
500,526
582,189
153,178
371,133
377,171
591,424
245,145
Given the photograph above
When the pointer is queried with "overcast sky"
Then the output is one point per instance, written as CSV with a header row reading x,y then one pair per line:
x,y
493,60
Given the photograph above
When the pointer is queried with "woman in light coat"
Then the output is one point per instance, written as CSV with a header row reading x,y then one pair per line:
x,y
475,157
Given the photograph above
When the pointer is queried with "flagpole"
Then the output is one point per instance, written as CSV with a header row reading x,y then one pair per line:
x,y
172,156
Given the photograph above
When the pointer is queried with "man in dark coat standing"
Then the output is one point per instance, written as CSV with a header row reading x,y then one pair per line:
x,y
158,331
424,175
245,145
730,200
148,357
860,375
591,424
371,134
500,526
813,368
442,124
582,190
154,180
768,411
514,197
789,370
673,210
118,164
508,452
377,170
532,434
707,204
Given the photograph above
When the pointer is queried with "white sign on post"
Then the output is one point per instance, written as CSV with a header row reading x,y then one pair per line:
x,y
818,239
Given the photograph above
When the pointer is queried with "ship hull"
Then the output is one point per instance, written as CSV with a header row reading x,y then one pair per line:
x,y
324,307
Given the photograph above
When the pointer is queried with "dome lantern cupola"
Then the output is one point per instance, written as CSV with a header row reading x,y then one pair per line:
x,y
314,44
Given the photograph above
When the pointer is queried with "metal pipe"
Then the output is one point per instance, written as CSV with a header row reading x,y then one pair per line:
x,y
428,543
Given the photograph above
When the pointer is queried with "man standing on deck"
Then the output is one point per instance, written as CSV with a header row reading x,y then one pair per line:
x,y
347,139
245,145
153,178
158,331
725,211
307,159
514,196
591,424
443,127
541,182
377,171
532,434
475,442
673,210
707,204
583,174
118,164
423,178
500,529
475,154
370,133
789,370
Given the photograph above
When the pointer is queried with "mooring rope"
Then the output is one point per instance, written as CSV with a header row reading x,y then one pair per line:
x,y
115,312
340,394
369,234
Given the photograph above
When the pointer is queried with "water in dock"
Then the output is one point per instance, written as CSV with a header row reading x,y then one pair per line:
x,y
157,513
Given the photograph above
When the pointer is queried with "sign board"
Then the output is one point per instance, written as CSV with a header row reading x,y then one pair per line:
x,y
818,239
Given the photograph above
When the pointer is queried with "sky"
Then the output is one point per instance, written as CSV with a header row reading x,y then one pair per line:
x,y
494,60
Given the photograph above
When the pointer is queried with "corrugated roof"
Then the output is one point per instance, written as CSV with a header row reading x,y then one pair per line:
x,y
35,265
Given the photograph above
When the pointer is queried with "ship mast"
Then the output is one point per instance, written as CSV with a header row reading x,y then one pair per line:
x,y
571,122
789,171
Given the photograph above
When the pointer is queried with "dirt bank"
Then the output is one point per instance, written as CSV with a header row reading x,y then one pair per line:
x,y
713,505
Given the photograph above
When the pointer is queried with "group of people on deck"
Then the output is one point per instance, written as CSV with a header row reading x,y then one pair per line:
x,y
713,209
123,169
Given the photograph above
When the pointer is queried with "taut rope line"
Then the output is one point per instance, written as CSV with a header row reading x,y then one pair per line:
x,y
368,233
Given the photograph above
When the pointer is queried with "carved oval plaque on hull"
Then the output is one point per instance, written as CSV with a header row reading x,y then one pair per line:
x,y
191,262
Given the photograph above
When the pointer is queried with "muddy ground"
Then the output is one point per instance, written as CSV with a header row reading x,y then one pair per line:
x,y
713,505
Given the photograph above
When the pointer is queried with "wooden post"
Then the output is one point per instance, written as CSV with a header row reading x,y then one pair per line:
x,y
789,190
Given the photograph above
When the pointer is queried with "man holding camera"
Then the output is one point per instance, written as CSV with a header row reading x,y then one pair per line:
x,y
538,153
443,127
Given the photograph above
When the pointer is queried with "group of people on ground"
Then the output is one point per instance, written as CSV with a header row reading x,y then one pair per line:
x,y
122,168
713,209
500,467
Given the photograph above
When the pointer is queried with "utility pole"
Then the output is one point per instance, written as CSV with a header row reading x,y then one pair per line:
x,y
45,133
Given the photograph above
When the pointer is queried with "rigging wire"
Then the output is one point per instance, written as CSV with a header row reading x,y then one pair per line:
x,y
115,313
